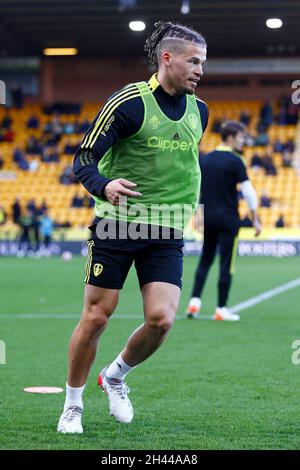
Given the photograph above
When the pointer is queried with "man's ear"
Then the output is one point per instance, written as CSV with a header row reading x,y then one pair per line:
x,y
166,58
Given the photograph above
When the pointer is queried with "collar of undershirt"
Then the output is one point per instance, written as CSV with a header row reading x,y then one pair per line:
x,y
224,148
227,148
156,88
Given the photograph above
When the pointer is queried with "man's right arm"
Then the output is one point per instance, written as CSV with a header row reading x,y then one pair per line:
x,y
120,117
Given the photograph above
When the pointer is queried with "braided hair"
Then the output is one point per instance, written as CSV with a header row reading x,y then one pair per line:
x,y
168,30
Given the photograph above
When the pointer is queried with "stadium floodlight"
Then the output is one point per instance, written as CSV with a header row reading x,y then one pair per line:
x,y
274,23
185,7
60,51
137,25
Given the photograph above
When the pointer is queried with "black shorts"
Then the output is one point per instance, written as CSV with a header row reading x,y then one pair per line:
x,y
109,261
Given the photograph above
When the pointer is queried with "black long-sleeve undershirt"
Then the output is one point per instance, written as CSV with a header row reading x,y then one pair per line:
x,y
128,119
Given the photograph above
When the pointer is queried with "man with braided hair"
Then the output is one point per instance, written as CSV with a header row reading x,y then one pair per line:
x,y
142,146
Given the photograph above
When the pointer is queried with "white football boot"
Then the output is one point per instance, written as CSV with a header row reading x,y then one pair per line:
x,y
193,308
70,421
117,391
222,313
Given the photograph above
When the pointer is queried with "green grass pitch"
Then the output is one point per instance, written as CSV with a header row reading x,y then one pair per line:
x,y
212,385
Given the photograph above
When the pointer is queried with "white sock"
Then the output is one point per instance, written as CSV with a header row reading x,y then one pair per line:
x,y
74,396
118,369
195,302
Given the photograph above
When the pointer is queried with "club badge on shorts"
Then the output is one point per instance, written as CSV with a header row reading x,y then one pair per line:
x,y
98,268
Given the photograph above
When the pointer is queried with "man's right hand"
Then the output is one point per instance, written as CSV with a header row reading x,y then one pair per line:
x,y
119,187
257,226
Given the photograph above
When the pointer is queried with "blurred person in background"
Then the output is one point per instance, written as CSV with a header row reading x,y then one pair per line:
x,y
35,224
33,122
46,228
25,222
265,200
16,211
222,170
280,223
268,163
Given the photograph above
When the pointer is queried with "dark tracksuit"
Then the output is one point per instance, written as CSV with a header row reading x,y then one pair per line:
x,y
221,170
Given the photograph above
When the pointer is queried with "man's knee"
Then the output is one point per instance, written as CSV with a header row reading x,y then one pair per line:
x,y
99,304
161,320
95,317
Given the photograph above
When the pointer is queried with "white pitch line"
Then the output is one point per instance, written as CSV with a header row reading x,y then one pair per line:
x,y
265,296
235,309
66,316
60,316
259,298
